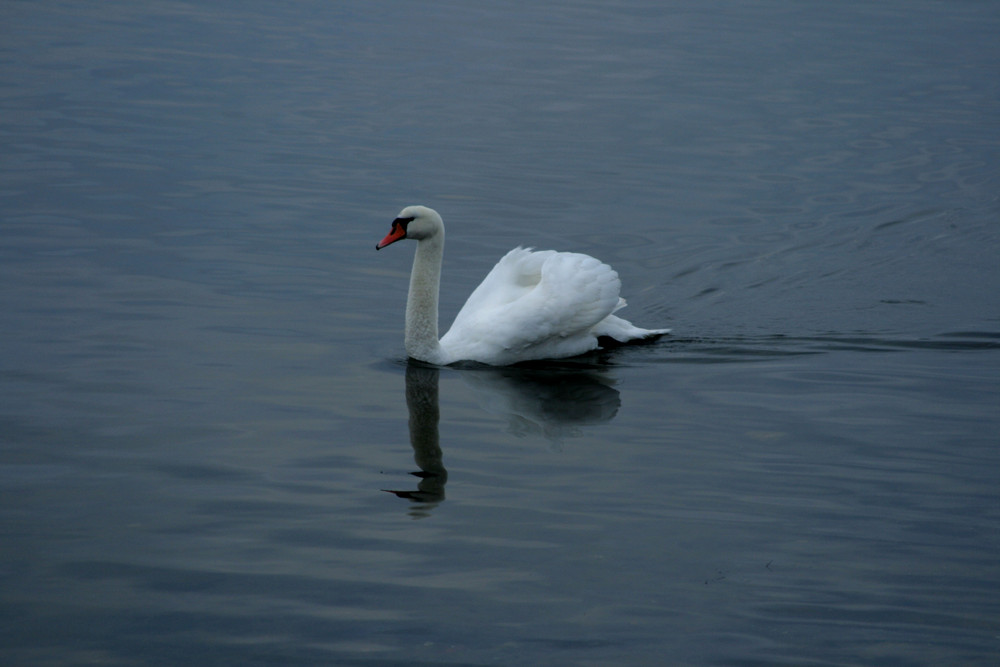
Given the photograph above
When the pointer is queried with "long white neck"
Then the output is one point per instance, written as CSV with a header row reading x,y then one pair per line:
x,y
422,302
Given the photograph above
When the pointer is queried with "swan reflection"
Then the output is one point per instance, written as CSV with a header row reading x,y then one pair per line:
x,y
548,401
422,404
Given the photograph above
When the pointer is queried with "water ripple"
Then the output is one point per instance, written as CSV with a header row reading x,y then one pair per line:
x,y
752,348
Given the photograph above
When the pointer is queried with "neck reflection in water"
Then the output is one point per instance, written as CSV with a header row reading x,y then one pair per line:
x,y
422,404
548,400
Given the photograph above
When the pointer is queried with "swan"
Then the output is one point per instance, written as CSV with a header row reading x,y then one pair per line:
x,y
531,306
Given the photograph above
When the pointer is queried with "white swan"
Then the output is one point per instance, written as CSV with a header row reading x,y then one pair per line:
x,y
532,305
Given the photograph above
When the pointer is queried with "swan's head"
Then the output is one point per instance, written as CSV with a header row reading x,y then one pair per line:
x,y
413,222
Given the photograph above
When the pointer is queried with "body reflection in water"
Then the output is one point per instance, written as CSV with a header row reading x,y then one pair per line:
x,y
551,401
547,401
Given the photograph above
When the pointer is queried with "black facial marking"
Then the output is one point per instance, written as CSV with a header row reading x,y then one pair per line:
x,y
403,222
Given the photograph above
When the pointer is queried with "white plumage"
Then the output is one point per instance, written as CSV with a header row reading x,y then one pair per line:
x,y
532,305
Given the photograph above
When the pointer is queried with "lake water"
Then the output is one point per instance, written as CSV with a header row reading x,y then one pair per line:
x,y
208,425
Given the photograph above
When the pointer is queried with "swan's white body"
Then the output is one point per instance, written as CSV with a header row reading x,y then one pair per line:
x,y
532,305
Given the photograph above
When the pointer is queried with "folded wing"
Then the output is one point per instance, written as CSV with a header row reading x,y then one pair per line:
x,y
534,305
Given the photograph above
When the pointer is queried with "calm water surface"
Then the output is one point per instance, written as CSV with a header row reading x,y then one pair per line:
x,y
208,429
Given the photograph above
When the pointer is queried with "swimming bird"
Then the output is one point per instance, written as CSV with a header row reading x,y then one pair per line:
x,y
533,305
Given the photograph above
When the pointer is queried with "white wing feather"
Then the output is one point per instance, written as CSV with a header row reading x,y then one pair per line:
x,y
535,305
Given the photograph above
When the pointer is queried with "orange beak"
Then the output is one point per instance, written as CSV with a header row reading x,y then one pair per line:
x,y
397,233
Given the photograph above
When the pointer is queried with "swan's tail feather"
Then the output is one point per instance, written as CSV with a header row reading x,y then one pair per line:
x,y
623,331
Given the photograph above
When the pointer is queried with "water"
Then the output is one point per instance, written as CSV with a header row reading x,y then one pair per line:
x,y
207,424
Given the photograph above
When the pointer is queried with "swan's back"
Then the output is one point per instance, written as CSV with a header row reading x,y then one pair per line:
x,y
534,305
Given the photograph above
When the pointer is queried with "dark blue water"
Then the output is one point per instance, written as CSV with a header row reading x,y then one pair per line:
x,y
208,426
